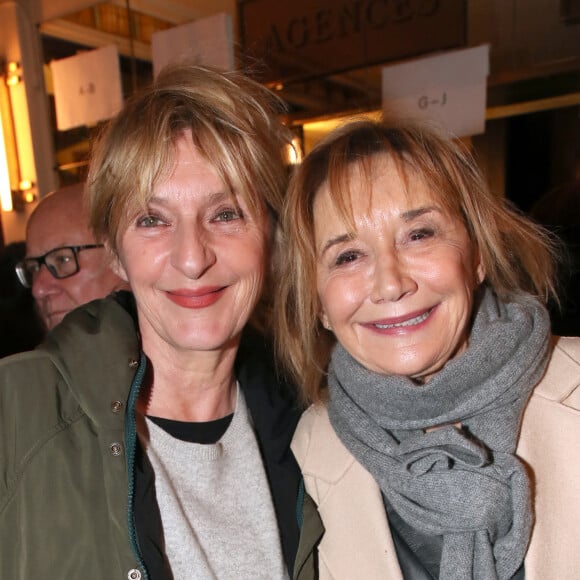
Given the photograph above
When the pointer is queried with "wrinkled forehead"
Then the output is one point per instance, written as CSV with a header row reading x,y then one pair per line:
x,y
359,185
197,148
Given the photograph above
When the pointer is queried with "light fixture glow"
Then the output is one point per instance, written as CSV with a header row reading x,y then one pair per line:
x,y
294,152
28,196
5,191
12,74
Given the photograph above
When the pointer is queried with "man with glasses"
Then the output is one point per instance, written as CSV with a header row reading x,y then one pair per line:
x,y
64,265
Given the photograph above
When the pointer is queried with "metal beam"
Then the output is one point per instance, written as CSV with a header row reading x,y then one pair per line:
x,y
91,37
51,9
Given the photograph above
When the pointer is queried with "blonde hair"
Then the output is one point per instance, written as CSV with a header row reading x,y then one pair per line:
x,y
517,255
234,124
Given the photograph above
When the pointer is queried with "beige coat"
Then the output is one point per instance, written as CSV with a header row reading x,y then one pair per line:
x,y
357,542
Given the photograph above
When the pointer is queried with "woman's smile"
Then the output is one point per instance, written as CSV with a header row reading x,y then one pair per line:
x,y
410,322
199,298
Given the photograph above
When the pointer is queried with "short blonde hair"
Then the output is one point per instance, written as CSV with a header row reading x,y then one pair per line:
x,y
517,254
234,122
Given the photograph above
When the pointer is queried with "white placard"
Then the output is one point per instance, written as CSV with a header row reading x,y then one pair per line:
x,y
206,41
87,87
449,89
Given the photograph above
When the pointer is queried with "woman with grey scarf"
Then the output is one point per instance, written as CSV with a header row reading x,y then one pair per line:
x,y
442,439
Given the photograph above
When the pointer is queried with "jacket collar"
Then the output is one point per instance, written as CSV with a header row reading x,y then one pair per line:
x,y
96,348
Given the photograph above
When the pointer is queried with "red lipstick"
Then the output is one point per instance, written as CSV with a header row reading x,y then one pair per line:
x,y
198,298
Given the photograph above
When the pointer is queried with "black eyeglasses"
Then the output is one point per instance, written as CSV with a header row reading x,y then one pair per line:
x,y
61,263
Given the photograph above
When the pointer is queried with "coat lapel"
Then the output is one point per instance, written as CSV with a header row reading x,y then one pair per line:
x,y
356,541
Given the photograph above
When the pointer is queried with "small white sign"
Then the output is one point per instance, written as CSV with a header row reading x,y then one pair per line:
x,y
449,89
87,87
207,41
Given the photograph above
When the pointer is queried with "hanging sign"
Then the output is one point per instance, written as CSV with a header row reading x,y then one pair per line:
x,y
87,87
206,41
449,89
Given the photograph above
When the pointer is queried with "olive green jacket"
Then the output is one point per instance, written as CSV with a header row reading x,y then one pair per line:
x,y
68,441
63,440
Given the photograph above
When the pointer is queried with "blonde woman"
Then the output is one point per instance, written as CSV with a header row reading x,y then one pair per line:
x,y
442,440
149,436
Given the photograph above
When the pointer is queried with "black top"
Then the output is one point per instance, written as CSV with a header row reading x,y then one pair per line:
x,y
205,432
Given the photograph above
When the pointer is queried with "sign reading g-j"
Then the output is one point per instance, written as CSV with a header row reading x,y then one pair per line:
x,y
302,39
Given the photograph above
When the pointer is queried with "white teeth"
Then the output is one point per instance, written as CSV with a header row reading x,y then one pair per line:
x,y
410,322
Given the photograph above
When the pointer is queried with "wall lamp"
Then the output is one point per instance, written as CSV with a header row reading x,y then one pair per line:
x,y
13,74
15,190
5,191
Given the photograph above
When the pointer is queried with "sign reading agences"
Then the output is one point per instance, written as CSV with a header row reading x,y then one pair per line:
x,y
300,39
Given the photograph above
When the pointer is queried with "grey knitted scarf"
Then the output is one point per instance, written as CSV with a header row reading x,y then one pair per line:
x,y
464,483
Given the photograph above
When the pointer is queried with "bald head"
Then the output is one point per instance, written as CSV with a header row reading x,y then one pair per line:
x,y
60,220
58,207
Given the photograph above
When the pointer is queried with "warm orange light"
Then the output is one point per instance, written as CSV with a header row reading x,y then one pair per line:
x,y
275,86
294,152
12,74
5,192
22,134
28,197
